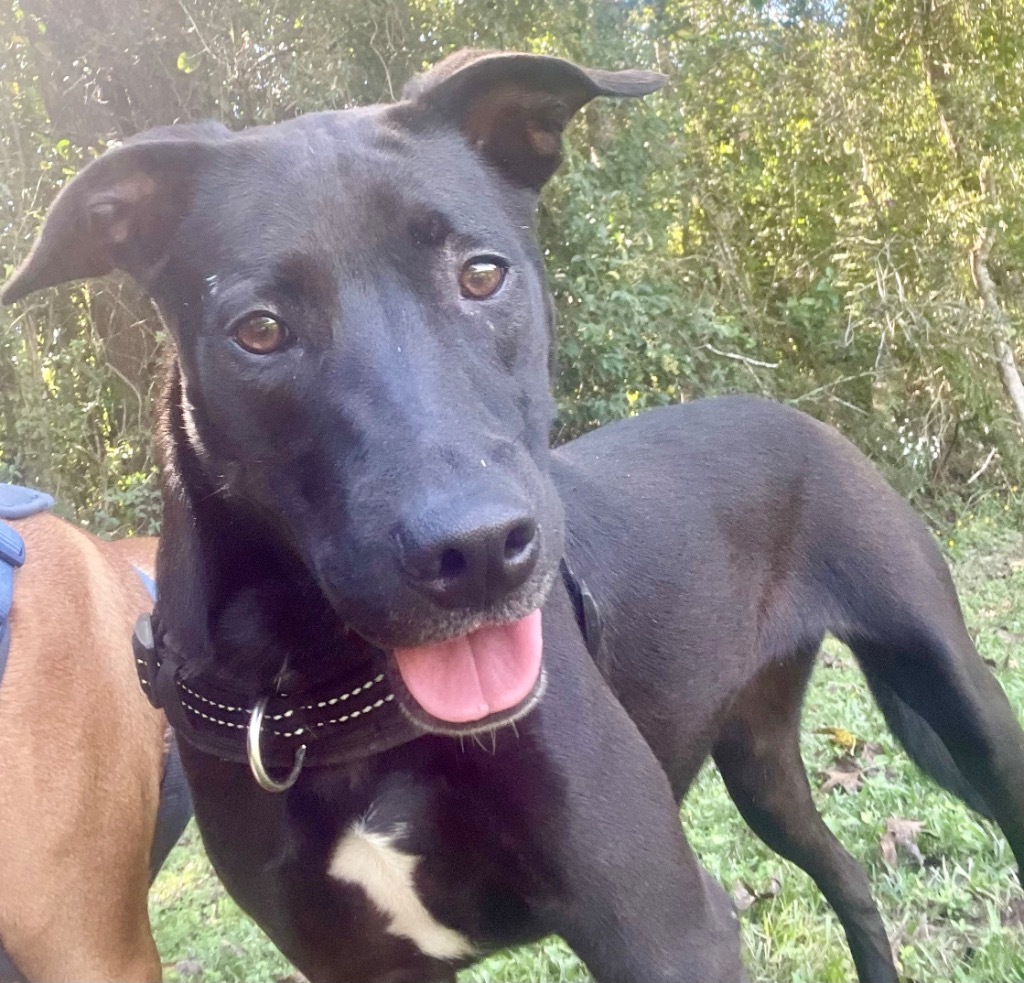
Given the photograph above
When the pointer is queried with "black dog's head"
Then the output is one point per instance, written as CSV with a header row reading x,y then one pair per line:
x,y
359,406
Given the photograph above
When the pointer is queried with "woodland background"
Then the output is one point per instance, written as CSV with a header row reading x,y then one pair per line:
x,y
825,206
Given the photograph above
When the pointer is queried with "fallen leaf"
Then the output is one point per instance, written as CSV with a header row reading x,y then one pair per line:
x,y
742,896
835,662
888,847
745,897
901,834
869,751
841,737
845,774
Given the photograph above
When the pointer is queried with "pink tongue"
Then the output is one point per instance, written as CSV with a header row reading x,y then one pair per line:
x,y
470,677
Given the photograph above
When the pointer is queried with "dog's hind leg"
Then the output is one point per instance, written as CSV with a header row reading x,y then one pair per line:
x,y
758,755
950,713
876,569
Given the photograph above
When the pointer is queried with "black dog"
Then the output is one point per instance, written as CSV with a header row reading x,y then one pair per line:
x,y
363,520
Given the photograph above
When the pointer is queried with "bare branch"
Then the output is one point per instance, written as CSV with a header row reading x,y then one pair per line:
x,y
977,474
832,385
1002,329
742,358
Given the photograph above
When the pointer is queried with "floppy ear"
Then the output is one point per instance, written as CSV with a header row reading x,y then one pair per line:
x,y
514,107
118,213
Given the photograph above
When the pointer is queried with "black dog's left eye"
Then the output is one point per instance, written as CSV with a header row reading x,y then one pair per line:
x,y
481,278
260,334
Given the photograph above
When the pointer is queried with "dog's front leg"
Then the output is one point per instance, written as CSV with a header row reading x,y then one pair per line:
x,y
632,900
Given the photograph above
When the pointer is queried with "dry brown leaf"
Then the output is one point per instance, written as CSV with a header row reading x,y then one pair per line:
x,y
1009,637
845,774
869,751
888,847
901,834
744,896
835,662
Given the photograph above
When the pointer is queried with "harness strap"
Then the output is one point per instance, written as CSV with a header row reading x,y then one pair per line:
x,y
15,503
174,810
12,551
12,556
18,502
6,591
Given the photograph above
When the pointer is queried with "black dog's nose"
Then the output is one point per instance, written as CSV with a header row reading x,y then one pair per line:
x,y
472,558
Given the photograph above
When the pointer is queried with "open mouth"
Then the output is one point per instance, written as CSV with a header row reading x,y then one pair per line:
x,y
472,682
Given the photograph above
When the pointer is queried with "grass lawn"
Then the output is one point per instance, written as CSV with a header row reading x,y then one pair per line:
x,y
951,900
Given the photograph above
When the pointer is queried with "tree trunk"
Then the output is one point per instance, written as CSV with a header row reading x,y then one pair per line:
x,y
1002,329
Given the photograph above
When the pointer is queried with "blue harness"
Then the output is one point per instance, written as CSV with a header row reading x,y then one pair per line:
x,y
15,503
175,807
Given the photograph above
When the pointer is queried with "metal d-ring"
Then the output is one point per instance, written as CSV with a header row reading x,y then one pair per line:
x,y
252,745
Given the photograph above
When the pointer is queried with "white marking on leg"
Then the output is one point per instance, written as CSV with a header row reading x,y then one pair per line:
x,y
371,861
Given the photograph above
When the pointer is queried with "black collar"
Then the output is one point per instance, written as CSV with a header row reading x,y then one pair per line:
x,y
351,719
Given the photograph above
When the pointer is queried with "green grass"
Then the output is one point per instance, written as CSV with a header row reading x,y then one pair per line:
x,y
959,917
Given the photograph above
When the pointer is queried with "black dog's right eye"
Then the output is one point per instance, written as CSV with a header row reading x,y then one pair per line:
x,y
480,278
260,334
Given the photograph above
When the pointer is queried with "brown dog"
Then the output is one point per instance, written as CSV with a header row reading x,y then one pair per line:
x,y
81,756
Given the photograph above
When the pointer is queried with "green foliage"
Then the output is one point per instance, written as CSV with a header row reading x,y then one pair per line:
x,y
794,215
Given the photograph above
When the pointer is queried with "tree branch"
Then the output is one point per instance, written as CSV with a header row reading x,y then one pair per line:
x,y
1002,329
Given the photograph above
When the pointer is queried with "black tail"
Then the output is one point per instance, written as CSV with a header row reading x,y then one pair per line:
x,y
924,746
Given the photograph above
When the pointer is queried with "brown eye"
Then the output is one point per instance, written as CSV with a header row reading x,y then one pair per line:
x,y
260,334
480,278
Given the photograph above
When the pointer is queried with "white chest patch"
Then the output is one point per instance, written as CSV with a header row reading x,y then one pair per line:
x,y
371,861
